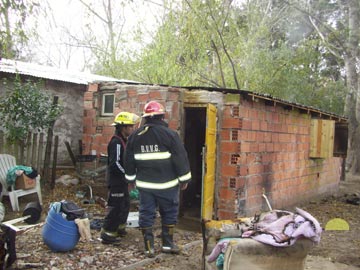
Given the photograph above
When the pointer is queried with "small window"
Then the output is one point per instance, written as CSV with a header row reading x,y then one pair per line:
x,y
107,104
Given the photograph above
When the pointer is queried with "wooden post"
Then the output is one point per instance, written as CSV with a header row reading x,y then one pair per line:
x,y
19,149
33,150
48,154
40,152
49,144
71,154
28,149
53,175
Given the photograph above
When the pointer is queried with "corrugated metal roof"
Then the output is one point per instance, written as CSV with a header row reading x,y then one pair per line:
x,y
274,100
51,73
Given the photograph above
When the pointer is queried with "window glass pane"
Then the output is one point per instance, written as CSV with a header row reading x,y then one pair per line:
x,y
108,104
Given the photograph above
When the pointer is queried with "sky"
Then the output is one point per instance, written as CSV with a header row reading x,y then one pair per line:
x,y
63,22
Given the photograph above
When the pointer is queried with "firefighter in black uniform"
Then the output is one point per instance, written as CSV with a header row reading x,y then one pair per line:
x,y
156,160
118,197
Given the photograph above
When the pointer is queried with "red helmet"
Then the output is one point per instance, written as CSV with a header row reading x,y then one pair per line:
x,y
153,108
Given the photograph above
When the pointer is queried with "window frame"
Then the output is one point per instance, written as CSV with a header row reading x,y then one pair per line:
x,y
103,99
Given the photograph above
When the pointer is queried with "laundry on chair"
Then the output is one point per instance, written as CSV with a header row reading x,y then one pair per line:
x,y
9,171
18,170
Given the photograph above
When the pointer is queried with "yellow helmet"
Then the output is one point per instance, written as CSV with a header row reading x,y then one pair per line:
x,y
125,118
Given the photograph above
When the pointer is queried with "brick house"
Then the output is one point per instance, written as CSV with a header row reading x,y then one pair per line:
x,y
241,145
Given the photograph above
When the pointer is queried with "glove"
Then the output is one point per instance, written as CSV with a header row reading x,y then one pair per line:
x,y
183,186
134,194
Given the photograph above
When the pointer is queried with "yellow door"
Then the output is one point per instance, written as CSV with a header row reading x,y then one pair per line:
x,y
209,159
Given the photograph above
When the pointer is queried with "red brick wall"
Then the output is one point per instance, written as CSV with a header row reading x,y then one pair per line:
x,y
266,148
260,148
97,129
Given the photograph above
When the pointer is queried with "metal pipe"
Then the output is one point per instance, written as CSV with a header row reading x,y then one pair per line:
x,y
90,189
267,201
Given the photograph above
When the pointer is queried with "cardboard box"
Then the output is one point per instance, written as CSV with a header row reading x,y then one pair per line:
x,y
24,182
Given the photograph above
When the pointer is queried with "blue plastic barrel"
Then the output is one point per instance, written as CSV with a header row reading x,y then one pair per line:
x,y
58,233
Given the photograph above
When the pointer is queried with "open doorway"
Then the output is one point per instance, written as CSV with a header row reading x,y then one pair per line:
x,y
194,139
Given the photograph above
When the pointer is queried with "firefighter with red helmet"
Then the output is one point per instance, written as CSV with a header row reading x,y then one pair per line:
x,y
156,160
118,198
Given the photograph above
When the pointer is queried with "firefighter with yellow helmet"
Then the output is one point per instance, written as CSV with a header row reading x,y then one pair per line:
x,y
118,198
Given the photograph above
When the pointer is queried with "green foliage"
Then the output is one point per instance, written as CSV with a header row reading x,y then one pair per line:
x,y
255,47
26,108
13,23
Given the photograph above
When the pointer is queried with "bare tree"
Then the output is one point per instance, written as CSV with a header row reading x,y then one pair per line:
x,y
94,36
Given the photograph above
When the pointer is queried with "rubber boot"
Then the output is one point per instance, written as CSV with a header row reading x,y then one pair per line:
x,y
121,230
148,241
167,235
109,237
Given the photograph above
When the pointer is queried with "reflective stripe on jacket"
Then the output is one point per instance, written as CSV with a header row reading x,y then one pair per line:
x,y
155,157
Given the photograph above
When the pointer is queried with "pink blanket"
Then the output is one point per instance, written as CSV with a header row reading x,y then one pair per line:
x,y
283,228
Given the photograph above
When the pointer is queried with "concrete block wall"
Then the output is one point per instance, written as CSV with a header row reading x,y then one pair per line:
x,y
97,129
265,148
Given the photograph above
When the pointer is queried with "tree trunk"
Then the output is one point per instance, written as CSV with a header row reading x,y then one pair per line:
x,y
352,107
7,46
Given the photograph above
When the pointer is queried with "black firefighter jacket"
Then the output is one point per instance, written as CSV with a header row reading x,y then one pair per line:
x,y
155,157
115,168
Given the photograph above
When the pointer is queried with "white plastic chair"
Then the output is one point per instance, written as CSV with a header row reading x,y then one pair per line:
x,y
7,162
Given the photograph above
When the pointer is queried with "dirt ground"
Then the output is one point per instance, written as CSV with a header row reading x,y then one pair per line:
x,y
336,250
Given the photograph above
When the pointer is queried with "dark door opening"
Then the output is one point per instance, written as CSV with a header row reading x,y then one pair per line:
x,y
195,124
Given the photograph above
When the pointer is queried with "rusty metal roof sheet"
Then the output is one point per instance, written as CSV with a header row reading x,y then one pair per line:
x,y
51,73
274,100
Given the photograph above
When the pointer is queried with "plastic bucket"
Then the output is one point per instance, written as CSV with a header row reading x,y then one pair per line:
x,y
58,233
